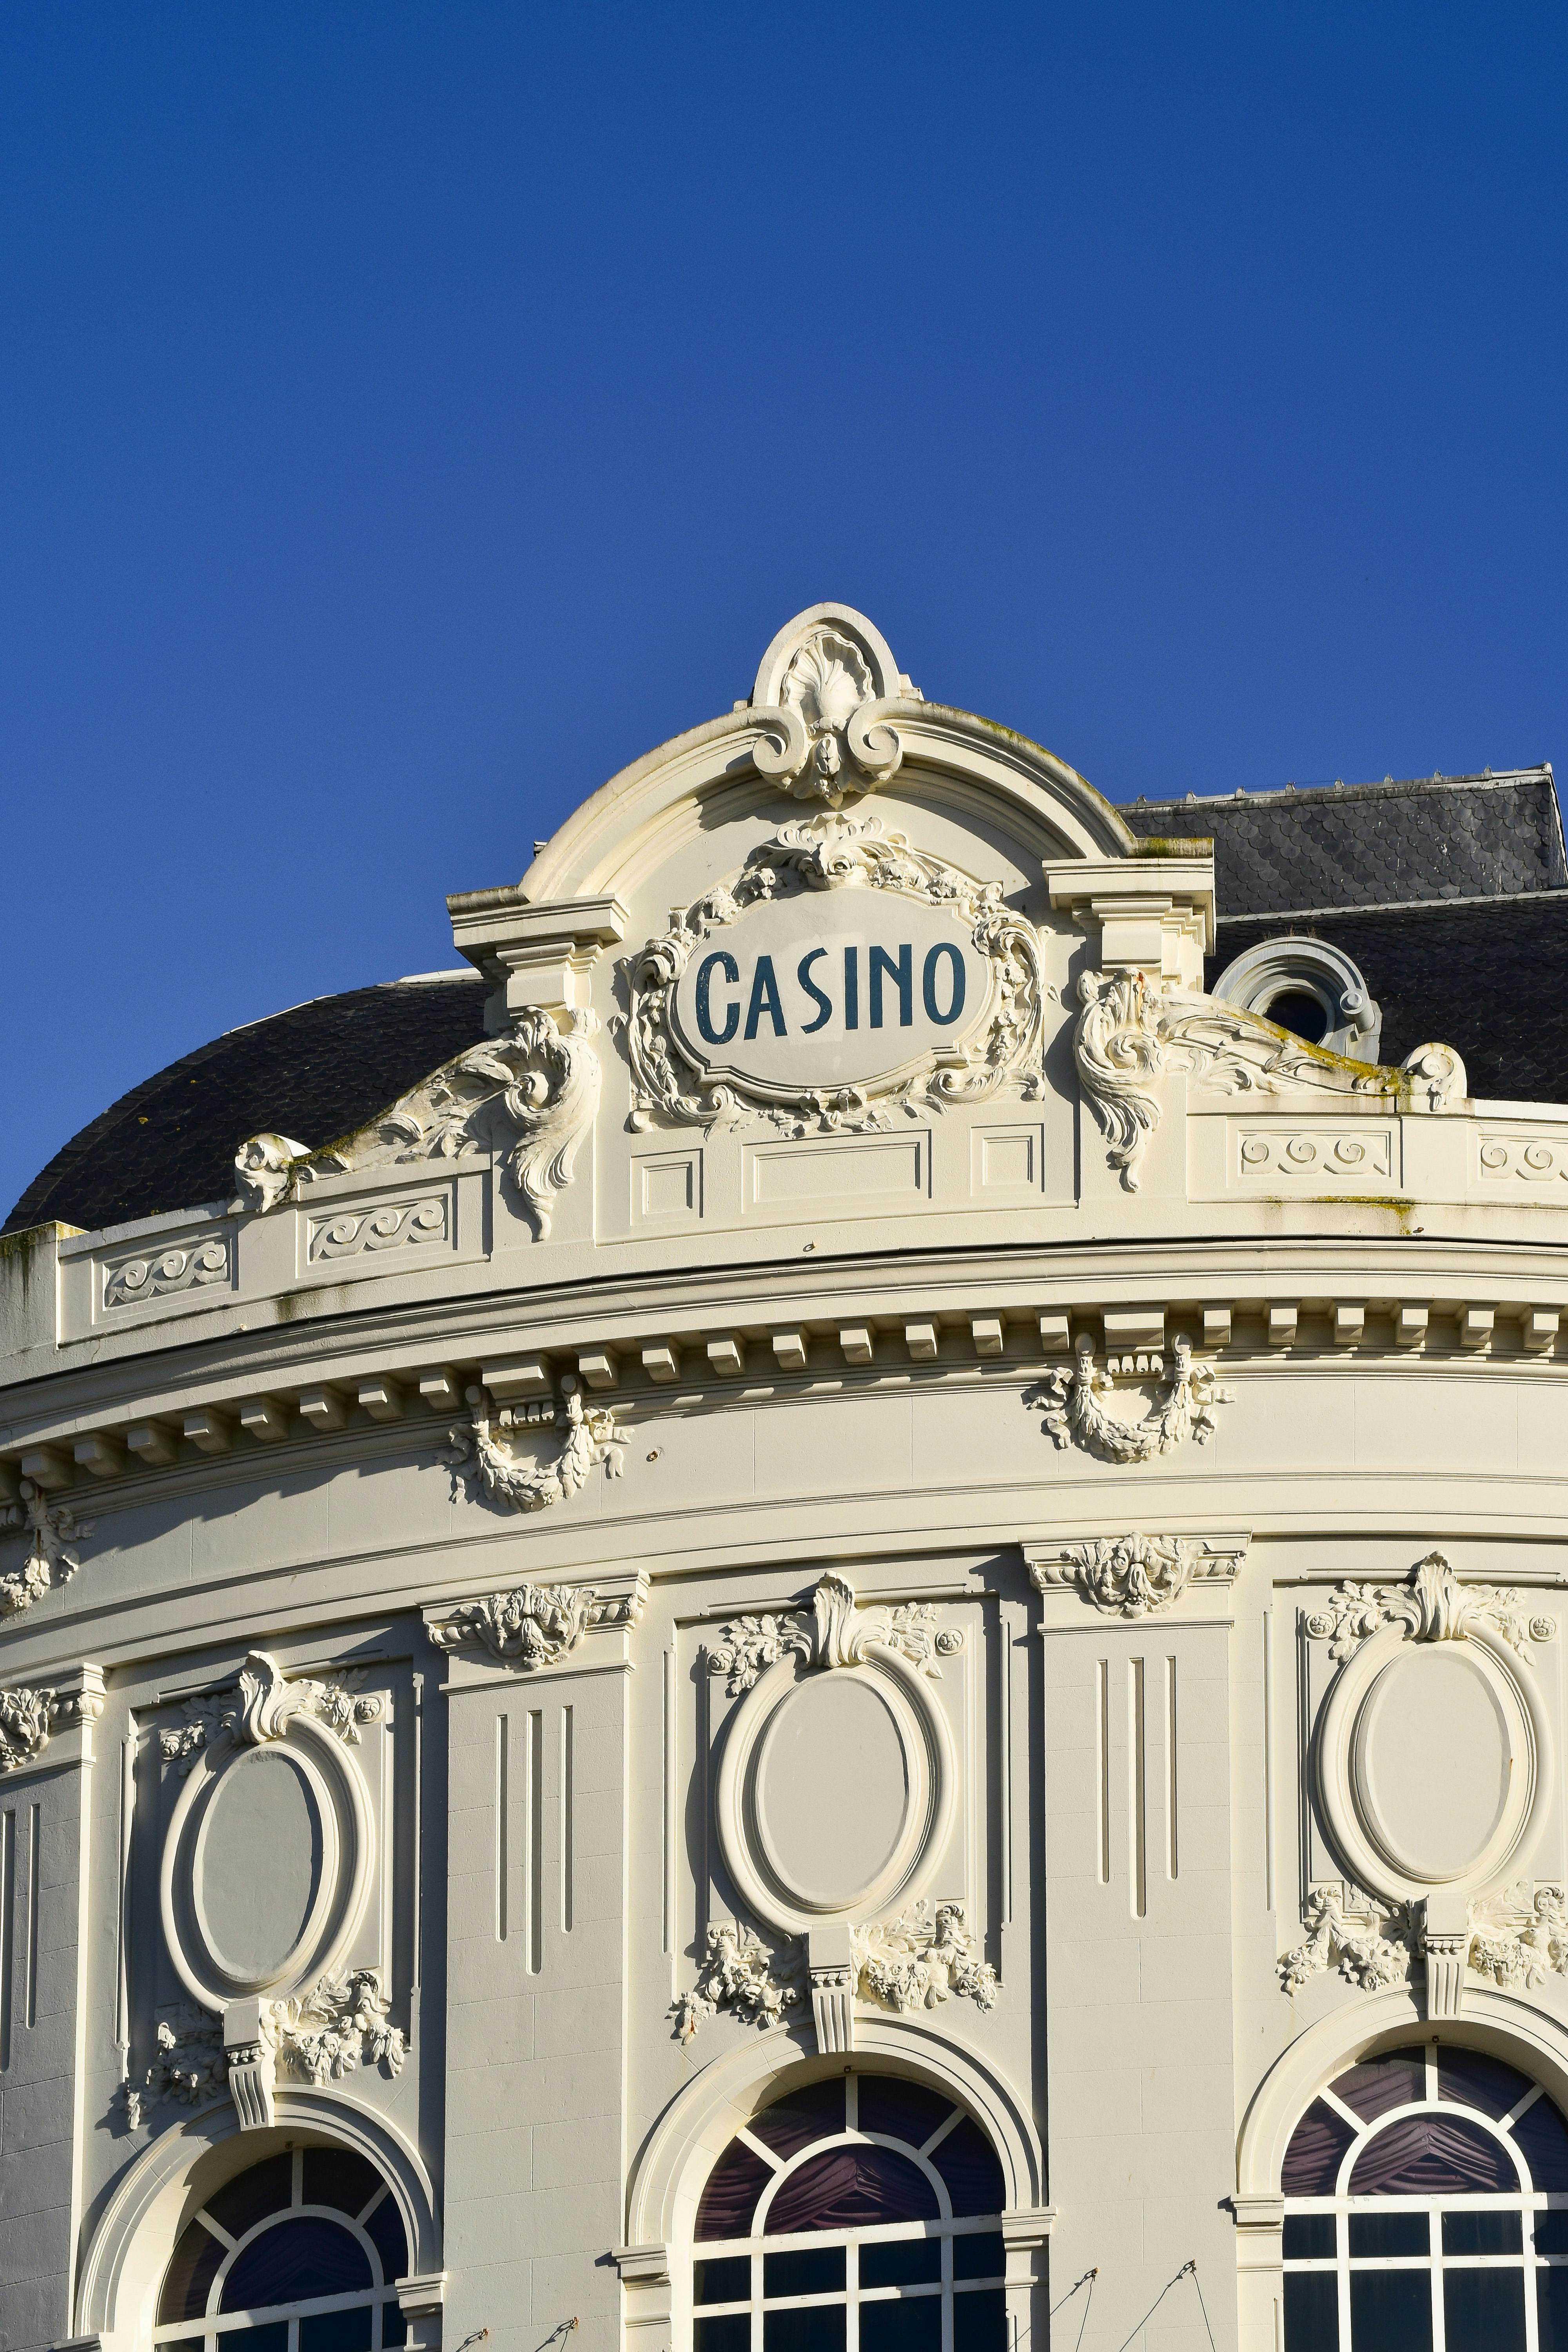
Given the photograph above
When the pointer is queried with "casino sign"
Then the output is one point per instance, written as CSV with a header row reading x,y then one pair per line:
x,y
839,975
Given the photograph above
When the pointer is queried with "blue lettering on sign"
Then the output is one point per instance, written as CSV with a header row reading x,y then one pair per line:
x,y
927,985
731,971
764,999
720,1023
824,1002
902,977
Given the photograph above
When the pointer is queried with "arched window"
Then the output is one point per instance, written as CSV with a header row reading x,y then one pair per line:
x,y
300,2252
1426,2211
859,2214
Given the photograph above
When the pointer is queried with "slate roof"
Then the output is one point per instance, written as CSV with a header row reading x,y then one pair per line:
x,y
312,1073
1488,978
1367,845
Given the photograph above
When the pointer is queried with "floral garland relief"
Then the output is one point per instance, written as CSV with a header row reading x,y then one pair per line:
x,y
51,1528
1183,1406
483,1450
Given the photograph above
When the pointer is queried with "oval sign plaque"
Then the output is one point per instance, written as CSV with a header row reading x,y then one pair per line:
x,y
831,989
840,968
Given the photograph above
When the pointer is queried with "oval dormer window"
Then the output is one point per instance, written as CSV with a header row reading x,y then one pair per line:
x,y
1310,988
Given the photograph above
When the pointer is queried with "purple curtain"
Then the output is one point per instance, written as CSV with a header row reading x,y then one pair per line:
x,y
1398,2079
1316,2147
852,2188
729,2200
1432,2155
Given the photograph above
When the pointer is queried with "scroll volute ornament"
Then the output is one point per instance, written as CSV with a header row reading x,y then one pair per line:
x,y
825,695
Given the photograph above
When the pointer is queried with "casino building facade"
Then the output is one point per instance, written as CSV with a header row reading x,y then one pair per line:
x,y
826,1611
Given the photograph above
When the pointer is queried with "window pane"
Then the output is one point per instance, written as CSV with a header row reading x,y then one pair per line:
x,y
912,2327
394,2326
1551,2309
908,2262
1477,2081
385,2233
294,2260
980,2320
188,2279
1551,2232
983,2257
1299,1013
851,2189
1316,2148
729,2200
726,2282
821,2330
901,2110
336,2176
263,2339
1432,2155
1398,2079
1309,2237
1312,2311
1483,2311
967,2163
336,2331
1391,2311
1482,2233
1389,2234
792,2123
730,2335
1543,2136
815,2269
245,2201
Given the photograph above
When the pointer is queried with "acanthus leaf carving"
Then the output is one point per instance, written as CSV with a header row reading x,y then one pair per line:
x,y
1184,1408
924,1957
1519,1936
344,2022
528,1095
831,852
1134,1575
738,1973
590,1439
1354,1938
1436,1607
264,1705
51,1528
26,1722
836,1632
533,1625
1131,1034
191,2065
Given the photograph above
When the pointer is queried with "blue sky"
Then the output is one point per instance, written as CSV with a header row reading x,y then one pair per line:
x,y
410,415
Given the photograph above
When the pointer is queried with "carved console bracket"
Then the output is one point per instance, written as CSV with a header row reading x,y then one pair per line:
x,y
30,1719
536,1625
1183,1406
1134,1575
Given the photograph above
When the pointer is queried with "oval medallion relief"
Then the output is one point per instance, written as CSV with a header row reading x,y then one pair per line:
x,y
258,1863
1433,1765
265,1864
831,1789
836,1790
